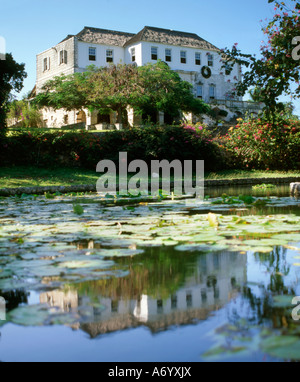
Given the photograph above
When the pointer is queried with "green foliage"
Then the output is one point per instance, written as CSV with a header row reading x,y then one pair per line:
x,y
263,186
225,199
259,144
163,90
272,74
23,114
152,87
77,209
12,75
83,149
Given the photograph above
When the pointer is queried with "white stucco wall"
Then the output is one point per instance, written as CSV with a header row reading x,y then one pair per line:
x,y
190,71
138,54
83,54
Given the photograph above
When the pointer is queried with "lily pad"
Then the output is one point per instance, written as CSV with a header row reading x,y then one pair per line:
x,y
29,315
283,347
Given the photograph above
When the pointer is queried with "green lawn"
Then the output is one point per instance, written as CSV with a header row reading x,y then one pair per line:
x,y
34,176
241,174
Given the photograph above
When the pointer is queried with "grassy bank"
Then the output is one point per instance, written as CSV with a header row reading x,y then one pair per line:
x,y
19,176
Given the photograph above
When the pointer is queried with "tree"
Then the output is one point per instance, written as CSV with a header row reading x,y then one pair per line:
x,y
113,87
116,87
164,90
12,76
22,113
278,68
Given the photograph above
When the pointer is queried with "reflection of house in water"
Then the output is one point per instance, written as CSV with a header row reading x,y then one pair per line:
x,y
211,284
65,300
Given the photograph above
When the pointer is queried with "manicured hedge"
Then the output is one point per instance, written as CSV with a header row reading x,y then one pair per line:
x,y
84,149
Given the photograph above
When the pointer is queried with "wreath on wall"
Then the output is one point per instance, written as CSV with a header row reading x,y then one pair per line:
x,y
206,72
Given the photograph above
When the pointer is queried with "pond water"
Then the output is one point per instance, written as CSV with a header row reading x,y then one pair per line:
x,y
90,278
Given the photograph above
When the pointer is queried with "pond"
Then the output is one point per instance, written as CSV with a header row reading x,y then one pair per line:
x,y
91,278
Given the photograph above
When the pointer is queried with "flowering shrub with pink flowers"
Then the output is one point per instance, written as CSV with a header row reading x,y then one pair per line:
x,y
259,144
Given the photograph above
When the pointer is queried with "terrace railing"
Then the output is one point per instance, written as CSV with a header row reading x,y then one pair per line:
x,y
239,105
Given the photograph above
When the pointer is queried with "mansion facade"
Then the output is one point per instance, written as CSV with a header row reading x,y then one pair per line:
x,y
193,58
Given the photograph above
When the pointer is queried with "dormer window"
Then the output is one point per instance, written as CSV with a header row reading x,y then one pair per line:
x,y
92,54
154,53
63,57
132,52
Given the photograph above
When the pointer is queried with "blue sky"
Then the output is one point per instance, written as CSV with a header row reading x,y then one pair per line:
x,y
31,26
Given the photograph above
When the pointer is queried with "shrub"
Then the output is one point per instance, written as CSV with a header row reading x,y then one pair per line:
x,y
21,113
257,143
64,148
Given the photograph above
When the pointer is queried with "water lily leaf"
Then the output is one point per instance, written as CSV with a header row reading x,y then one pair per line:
x,y
284,347
121,252
193,247
85,263
261,249
29,315
289,237
208,237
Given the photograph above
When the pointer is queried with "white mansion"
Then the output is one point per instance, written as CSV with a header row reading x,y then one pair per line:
x,y
193,58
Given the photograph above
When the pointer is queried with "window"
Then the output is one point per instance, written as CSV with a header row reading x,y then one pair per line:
x,y
189,299
132,52
173,302
159,304
199,91
45,64
109,55
183,57
210,60
197,58
168,54
227,69
154,53
63,57
114,305
66,119
212,91
92,54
